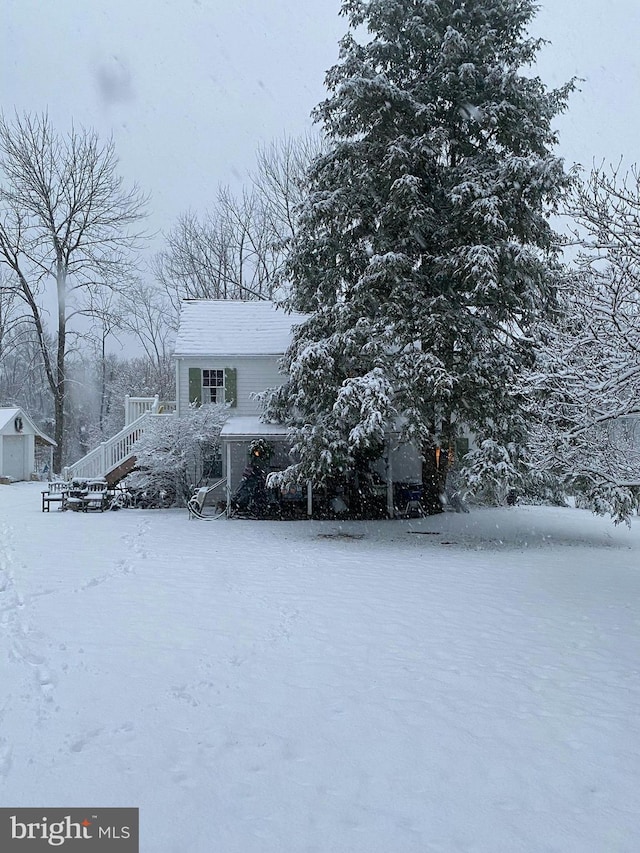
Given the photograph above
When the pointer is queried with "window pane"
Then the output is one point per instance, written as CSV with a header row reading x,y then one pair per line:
x,y
213,386
213,378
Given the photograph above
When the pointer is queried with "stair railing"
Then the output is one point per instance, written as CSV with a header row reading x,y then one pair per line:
x,y
111,453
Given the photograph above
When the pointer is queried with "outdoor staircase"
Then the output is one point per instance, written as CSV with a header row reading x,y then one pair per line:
x,y
114,459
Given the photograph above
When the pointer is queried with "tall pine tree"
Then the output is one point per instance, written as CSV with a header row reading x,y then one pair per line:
x,y
424,250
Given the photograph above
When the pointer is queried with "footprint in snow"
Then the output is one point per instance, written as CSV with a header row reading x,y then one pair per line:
x,y
79,744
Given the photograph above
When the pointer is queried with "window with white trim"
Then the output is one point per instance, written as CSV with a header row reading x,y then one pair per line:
x,y
213,386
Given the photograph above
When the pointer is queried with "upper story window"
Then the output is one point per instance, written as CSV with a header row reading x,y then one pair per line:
x,y
217,386
213,386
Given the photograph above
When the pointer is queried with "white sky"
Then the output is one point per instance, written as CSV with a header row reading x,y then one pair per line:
x,y
190,88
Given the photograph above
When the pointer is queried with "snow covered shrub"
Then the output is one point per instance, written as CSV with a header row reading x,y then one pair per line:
x,y
490,472
495,474
542,487
169,453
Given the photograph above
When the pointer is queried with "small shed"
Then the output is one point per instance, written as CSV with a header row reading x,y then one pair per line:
x,y
24,449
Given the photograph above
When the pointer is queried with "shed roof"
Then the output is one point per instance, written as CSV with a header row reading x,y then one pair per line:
x,y
233,327
8,413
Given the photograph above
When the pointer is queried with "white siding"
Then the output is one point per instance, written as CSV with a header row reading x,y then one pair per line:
x,y
254,374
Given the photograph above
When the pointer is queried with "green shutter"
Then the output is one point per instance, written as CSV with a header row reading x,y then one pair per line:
x,y
231,386
195,385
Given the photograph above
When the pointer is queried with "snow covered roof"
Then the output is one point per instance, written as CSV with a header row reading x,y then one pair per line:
x,y
233,327
248,426
9,413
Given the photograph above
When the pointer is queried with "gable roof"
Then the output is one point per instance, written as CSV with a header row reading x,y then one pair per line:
x,y
233,327
9,413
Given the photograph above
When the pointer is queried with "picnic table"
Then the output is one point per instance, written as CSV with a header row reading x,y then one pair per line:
x,y
82,495
86,495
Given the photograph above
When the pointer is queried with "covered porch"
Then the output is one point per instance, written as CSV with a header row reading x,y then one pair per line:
x,y
237,437
400,462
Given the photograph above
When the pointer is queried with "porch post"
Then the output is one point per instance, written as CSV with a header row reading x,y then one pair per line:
x,y
390,511
309,499
228,469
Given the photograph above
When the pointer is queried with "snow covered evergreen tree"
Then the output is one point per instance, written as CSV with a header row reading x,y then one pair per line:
x,y
424,250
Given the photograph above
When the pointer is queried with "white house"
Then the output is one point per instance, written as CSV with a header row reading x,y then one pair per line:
x,y
24,449
229,351
225,351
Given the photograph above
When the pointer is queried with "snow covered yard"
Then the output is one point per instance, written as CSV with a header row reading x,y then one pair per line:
x,y
459,683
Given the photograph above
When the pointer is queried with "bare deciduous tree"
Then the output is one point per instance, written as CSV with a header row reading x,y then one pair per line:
x,y
145,314
66,221
226,255
606,210
280,182
8,316
237,251
107,312
21,376
586,385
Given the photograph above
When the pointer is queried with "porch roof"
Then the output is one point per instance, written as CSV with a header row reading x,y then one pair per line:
x,y
248,427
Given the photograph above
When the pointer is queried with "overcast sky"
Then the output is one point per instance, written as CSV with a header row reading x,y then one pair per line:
x,y
190,88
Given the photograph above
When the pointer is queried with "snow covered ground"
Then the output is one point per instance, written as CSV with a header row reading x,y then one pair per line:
x,y
459,683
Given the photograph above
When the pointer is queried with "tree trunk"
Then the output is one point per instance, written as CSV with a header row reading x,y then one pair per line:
x,y
60,389
434,474
103,386
58,451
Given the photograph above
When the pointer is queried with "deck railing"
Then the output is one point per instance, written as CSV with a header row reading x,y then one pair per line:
x,y
135,407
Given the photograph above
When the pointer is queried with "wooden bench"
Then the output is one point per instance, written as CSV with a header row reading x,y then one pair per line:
x,y
56,493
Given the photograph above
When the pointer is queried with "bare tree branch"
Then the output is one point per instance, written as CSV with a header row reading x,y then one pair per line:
x,y
67,222
237,251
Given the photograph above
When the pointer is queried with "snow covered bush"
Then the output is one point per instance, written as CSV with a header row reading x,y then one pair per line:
x,y
170,451
490,472
542,487
494,473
